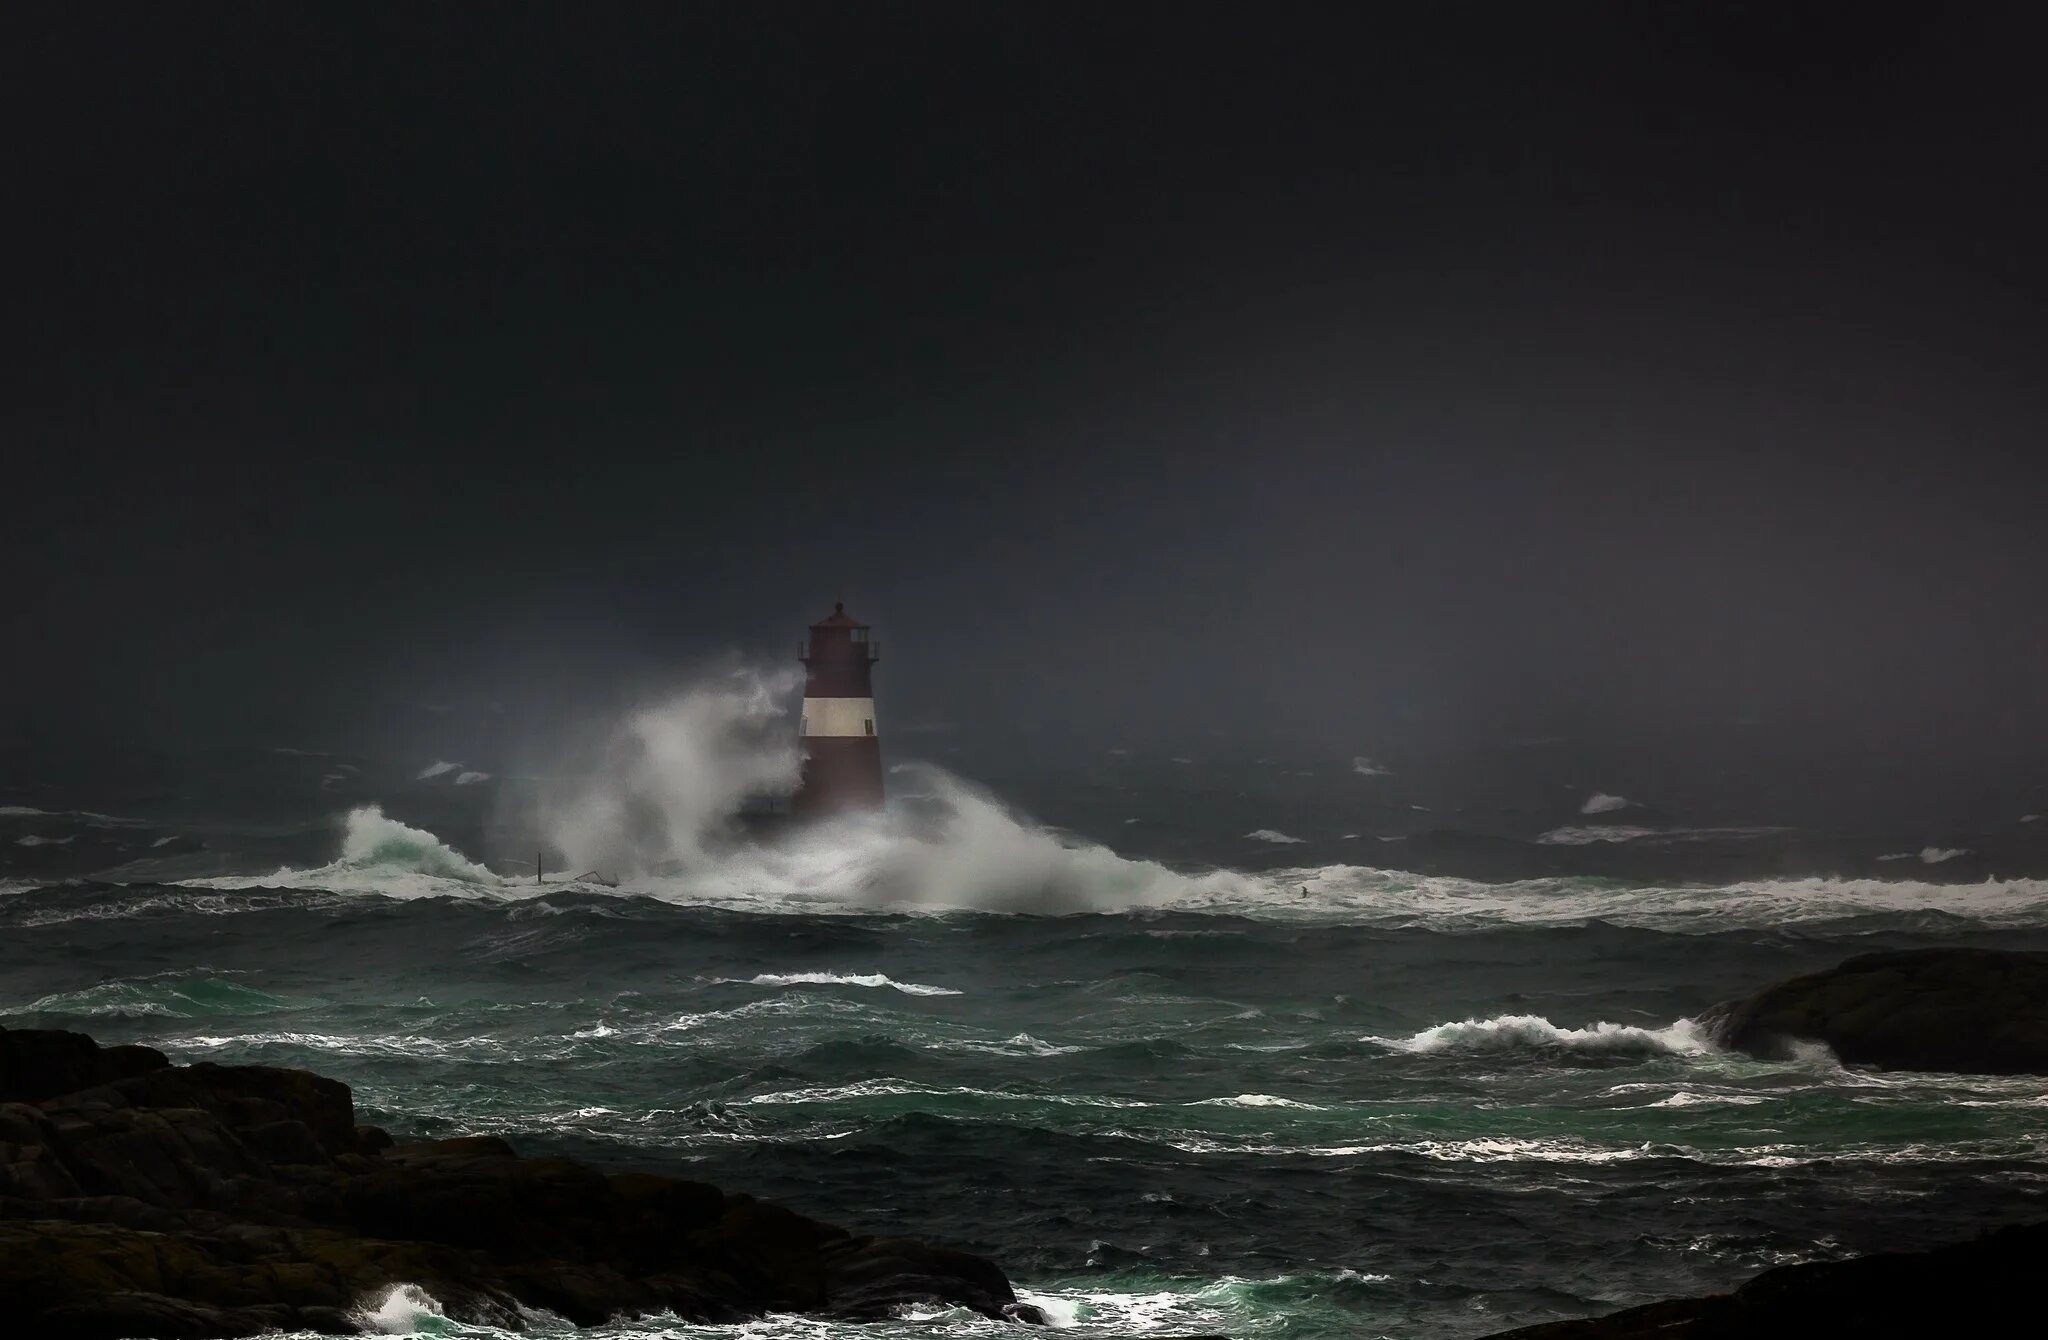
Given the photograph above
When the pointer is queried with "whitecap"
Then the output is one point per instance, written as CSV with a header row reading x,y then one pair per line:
x,y
1255,1100
870,979
1511,1032
1600,802
1022,1044
1687,1098
1271,835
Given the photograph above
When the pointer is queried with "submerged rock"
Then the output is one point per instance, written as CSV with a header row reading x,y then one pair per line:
x,y
1969,1288
1982,1011
141,1199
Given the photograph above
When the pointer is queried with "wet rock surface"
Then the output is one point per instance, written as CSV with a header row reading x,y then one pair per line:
x,y
142,1199
1982,1287
1981,1011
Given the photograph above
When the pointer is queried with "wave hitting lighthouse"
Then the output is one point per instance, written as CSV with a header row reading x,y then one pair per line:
x,y
842,754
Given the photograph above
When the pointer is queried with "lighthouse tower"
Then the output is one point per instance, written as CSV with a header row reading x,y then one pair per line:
x,y
842,753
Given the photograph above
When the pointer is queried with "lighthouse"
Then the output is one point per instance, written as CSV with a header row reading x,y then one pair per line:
x,y
842,770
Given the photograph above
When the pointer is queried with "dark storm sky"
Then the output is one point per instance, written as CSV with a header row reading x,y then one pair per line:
x,y
1405,377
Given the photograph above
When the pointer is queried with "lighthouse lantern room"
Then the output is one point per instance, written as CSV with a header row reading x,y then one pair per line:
x,y
842,768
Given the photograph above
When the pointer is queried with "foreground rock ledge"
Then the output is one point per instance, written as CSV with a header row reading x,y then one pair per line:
x,y
142,1199
1980,1011
1968,1289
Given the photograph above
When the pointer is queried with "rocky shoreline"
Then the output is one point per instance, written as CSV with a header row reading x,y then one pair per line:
x,y
139,1199
1967,1288
1973,1011
1970,1011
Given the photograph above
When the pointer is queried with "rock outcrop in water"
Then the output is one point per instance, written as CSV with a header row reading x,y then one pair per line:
x,y
1970,1288
142,1199
1982,1011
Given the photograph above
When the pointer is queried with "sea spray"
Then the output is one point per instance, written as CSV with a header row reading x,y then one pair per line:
x,y
673,776
402,1309
371,841
1511,1032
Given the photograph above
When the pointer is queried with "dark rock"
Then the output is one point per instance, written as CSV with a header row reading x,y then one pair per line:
x,y
1969,1288
1981,1011
138,1199
373,1140
45,1063
868,1278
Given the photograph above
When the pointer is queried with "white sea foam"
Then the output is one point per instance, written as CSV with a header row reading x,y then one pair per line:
x,y
656,818
1366,767
1255,1100
1514,1032
437,770
1688,1098
1936,855
471,777
1271,835
1022,1044
33,841
849,979
399,1310
888,1086
1602,803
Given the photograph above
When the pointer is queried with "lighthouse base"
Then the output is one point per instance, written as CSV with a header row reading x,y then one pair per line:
x,y
841,775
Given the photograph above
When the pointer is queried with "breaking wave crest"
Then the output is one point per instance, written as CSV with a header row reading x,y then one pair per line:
x,y
402,1309
657,818
1517,1032
849,979
373,842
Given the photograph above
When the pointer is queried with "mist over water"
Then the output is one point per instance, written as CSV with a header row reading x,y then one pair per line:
x,y
1287,1096
671,776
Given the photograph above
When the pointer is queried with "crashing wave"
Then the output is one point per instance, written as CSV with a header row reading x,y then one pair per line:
x,y
399,1310
1516,1032
657,822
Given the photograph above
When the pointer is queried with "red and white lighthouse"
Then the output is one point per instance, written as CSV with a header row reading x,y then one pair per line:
x,y
842,754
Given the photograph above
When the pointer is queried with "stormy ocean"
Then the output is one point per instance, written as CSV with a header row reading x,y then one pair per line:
x,y
1181,1072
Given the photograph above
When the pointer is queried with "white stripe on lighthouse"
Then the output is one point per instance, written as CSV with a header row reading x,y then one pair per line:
x,y
839,716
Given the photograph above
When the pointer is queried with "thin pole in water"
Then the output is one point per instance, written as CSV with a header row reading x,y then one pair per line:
x,y
536,867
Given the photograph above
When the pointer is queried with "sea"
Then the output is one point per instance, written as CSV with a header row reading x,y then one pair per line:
x,y
1228,1046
